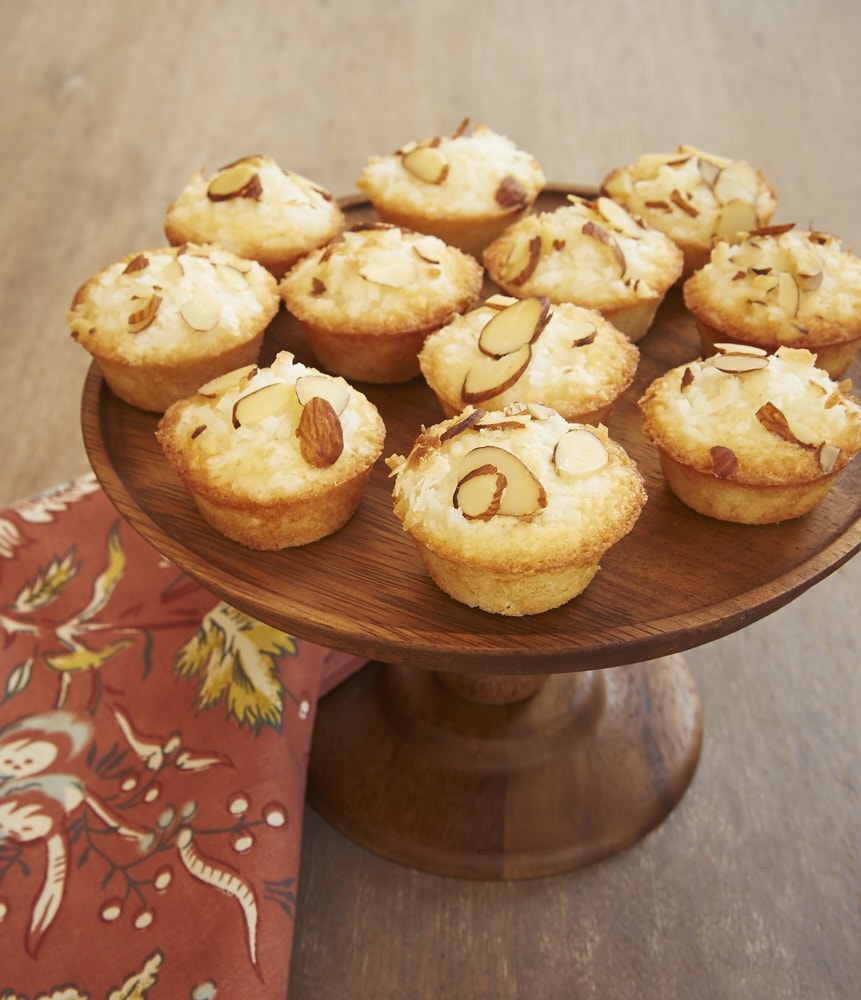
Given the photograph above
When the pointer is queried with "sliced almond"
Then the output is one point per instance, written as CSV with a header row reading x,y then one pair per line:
x,y
511,194
618,217
499,301
523,495
827,454
605,237
774,420
806,266
579,452
735,217
478,495
729,348
201,312
143,312
778,229
737,181
712,158
809,282
519,324
429,249
268,401
229,380
138,263
240,180
523,261
679,200
835,397
171,271
654,161
499,422
389,268
787,293
337,393
539,411
321,436
461,425
428,163
231,276
738,364
489,376
709,170
724,461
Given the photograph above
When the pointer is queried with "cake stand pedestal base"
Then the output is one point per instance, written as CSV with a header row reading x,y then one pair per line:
x,y
504,777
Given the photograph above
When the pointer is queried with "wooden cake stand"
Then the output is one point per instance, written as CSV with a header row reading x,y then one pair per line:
x,y
477,745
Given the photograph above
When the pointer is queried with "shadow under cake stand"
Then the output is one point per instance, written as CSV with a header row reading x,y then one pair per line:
x,y
477,745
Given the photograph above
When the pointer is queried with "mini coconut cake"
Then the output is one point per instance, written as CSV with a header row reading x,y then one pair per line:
x,y
256,209
465,188
593,253
274,457
512,510
781,286
693,197
749,437
523,350
368,299
161,322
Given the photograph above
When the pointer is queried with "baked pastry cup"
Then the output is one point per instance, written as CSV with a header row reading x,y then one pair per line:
x,y
781,286
274,457
593,253
465,188
511,350
512,510
256,209
749,437
368,299
159,323
694,197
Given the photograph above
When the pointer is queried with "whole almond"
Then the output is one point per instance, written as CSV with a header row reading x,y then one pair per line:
x,y
321,437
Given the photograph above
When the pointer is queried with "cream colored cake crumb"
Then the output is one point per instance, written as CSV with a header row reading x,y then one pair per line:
x,y
592,253
274,457
511,510
781,286
509,350
257,209
752,437
160,322
694,196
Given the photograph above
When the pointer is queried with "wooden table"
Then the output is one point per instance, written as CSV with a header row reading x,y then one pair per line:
x,y
751,886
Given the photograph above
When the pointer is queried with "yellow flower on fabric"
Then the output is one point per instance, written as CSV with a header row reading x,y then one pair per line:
x,y
80,653
82,658
139,984
234,659
47,585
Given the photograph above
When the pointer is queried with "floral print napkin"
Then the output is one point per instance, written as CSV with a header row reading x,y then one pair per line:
x,y
153,750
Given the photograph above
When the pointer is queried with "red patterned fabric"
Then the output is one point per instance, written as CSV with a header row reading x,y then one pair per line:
x,y
153,749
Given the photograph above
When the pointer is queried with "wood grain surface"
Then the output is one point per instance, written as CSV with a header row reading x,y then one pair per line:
x,y
751,887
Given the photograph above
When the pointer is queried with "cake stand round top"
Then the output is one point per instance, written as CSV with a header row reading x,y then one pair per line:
x,y
678,580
